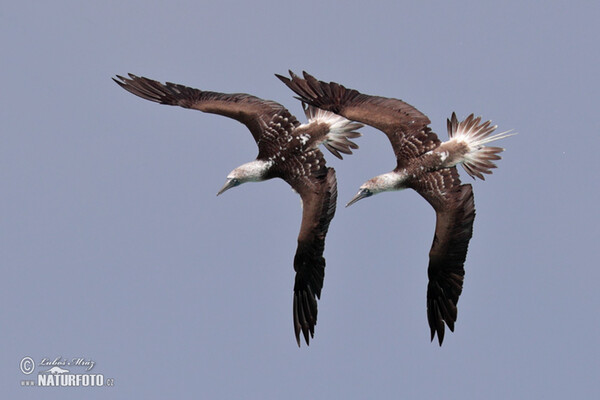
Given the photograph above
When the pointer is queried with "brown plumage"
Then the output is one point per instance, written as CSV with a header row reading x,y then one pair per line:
x,y
426,165
286,150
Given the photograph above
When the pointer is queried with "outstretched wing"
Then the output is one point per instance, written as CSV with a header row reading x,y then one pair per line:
x,y
260,116
455,213
405,126
319,196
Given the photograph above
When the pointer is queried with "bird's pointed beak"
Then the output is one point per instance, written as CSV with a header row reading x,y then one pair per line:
x,y
231,182
362,193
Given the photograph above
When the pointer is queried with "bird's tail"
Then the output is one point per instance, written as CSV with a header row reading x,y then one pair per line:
x,y
340,132
479,158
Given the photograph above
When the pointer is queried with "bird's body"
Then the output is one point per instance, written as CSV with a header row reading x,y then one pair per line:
x,y
428,166
286,150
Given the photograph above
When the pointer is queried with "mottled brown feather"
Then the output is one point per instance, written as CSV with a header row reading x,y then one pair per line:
x,y
405,126
319,198
455,213
254,112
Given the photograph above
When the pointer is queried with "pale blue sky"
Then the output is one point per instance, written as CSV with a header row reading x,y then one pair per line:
x,y
115,248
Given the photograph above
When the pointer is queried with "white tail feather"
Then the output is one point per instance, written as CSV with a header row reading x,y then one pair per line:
x,y
478,159
341,130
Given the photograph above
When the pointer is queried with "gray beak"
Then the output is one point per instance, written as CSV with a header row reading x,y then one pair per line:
x,y
362,193
231,182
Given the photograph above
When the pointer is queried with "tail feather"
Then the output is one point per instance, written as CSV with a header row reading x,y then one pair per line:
x,y
478,159
340,132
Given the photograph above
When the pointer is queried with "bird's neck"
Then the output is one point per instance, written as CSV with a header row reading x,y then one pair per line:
x,y
390,181
254,171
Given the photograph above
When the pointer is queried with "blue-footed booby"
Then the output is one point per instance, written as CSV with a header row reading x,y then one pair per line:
x,y
426,165
286,150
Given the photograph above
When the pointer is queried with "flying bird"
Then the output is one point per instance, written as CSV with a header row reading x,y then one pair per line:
x,y
286,150
426,165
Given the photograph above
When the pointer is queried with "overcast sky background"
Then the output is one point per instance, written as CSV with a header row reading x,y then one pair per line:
x,y
114,247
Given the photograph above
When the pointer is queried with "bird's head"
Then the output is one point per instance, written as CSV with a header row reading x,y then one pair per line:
x,y
254,171
381,183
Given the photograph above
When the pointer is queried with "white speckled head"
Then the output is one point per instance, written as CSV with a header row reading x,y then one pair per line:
x,y
385,182
254,171
381,183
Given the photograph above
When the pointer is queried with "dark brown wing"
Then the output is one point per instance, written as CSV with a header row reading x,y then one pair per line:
x,y
260,116
404,125
319,196
455,213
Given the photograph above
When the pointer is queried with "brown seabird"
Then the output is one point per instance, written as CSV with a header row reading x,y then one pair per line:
x,y
426,165
286,150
